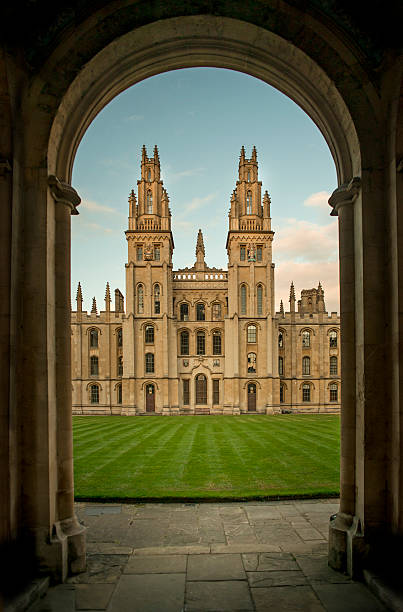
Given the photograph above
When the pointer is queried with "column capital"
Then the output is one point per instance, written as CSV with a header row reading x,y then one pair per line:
x,y
65,193
345,194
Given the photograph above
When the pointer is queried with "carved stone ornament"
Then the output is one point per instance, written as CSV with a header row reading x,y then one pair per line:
x,y
65,193
345,194
148,253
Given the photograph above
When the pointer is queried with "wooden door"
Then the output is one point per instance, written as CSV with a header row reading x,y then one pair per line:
x,y
150,398
251,397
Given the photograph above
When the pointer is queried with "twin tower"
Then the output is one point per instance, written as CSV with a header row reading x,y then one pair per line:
x,y
197,340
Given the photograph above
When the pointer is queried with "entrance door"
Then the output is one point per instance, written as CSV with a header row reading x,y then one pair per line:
x,y
150,398
251,397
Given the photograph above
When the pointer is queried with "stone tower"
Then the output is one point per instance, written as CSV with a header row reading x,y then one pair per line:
x,y
251,348
147,326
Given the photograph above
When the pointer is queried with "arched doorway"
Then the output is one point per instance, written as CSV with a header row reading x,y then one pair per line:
x,y
201,389
251,397
150,397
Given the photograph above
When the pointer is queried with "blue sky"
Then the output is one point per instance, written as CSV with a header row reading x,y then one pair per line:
x,y
200,118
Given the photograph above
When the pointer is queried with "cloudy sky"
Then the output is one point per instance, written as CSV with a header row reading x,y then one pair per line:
x,y
200,118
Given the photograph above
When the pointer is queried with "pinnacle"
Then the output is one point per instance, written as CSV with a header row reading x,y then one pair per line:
x,y
200,243
107,293
94,306
79,296
292,291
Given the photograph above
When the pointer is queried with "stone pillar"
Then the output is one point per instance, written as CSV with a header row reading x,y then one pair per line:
x,y
67,527
342,201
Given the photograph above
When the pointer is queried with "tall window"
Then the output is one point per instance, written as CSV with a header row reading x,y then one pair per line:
x,y
186,394
149,363
149,202
184,341
201,343
259,296
306,366
306,393
119,337
259,253
149,175
201,389
251,363
281,366
280,340
251,334
140,299
120,366
243,299
248,176
119,394
184,312
156,252
249,203
242,252
216,311
139,253
333,339
306,339
157,303
200,312
333,392
333,366
149,334
216,391
94,365
94,338
282,394
216,343
94,394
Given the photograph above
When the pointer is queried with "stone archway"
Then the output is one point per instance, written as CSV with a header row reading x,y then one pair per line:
x,y
305,58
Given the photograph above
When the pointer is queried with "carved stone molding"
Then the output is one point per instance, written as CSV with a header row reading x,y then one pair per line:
x,y
65,193
345,194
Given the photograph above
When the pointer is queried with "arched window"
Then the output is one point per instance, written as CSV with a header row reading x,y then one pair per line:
x,y
259,295
149,202
333,339
333,395
149,175
184,312
149,334
216,343
200,312
248,176
201,389
282,394
119,337
251,334
94,394
94,338
306,393
251,363
120,366
306,366
281,366
333,366
119,394
149,363
216,311
306,339
94,365
249,203
243,299
140,299
184,342
280,340
201,343
157,303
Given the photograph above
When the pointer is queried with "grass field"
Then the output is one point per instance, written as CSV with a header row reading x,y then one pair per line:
x,y
211,457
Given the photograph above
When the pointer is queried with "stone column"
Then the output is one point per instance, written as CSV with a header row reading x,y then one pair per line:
x,y
342,200
67,526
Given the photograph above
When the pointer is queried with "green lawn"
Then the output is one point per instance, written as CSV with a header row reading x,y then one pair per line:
x,y
206,457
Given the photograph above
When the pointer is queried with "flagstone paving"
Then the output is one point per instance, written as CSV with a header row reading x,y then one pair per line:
x,y
263,556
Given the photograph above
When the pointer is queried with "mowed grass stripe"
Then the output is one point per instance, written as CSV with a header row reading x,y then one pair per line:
x,y
206,457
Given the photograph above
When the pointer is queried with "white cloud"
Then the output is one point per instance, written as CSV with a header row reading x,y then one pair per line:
x,y
307,275
135,117
96,207
95,227
306,241
320,198
196,203
171,177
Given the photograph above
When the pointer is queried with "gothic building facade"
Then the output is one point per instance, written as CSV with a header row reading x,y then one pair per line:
x,y
204,340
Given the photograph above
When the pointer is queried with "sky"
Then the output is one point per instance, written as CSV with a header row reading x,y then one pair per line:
x,y
199,118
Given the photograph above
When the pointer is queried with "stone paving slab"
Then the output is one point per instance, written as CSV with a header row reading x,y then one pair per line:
x,y
173,550
287,599
93,596
276,578
215,567
269,562
224,596
347,597
156,564
149,593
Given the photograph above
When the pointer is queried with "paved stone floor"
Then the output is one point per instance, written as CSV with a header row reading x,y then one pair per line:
x,y
198,557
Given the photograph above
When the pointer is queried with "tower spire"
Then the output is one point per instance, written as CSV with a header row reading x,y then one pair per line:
x,y
200,252
143,154
79,298
107,298
292,297
94,306
254,154
281,308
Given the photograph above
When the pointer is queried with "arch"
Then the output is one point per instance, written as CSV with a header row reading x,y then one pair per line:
x,y
200,389
149,363
200,311
281,338
333,338
119,337
259,299
149,391
251,391
149,333
140,298
243,296
94,390
184,342
251,333
217,341
333,365
118,391
306,366
183,311
93,335
200,342
157,298
149,207
216,310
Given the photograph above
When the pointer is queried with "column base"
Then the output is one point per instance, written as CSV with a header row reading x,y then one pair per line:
x,y
348,550
65,552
